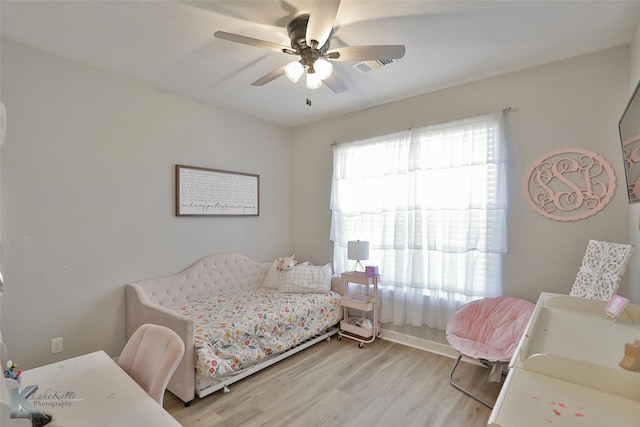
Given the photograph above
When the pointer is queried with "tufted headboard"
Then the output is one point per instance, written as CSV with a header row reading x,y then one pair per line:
x,y
213,275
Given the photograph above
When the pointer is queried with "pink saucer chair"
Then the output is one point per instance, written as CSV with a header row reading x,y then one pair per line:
x,y
488,331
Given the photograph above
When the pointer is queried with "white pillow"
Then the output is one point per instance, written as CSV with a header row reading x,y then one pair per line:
x,y
306,278
272,278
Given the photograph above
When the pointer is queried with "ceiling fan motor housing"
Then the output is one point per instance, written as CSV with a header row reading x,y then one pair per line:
x,y
297,30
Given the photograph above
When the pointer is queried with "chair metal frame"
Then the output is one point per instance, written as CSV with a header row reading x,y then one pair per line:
x,y
487,364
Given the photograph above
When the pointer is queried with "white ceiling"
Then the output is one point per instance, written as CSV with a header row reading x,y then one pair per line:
x,y
170,45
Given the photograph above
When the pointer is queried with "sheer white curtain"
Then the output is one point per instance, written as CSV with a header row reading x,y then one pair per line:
x,y
432,202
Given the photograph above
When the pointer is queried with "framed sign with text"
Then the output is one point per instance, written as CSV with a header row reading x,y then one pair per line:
x,y
202,191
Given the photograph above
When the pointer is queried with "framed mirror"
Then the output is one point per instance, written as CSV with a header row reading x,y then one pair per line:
x,y
629,127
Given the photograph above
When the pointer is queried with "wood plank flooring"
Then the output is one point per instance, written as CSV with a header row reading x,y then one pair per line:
x,y
336,383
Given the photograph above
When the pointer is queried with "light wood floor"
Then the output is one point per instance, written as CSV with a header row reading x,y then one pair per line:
x,y
336,383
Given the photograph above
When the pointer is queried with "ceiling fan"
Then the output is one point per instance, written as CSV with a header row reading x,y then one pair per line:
x,y
310,36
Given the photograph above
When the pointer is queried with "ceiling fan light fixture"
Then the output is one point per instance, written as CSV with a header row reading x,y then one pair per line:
x,y
294,71
310,35
323,68
313,81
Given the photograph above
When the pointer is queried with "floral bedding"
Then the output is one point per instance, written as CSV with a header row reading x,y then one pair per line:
x,y
233,332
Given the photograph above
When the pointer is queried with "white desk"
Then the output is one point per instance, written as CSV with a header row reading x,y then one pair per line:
x,y
565,370
92,390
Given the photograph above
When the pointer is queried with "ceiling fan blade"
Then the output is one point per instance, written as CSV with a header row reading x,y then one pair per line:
x,y
269,77
251,41
323,14
367,53
335,83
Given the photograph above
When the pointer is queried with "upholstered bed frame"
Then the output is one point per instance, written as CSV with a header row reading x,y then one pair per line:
x,y
149,301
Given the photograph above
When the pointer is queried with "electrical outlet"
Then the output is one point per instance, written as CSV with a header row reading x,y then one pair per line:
x,y
56,345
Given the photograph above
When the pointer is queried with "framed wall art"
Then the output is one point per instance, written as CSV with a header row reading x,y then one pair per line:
x,y
202,191
629,127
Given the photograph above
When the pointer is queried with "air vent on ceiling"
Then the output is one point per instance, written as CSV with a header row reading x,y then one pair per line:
x,y
366,66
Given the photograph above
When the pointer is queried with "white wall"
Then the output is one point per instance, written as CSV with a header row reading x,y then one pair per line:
x,y
88,197
88,186
571,103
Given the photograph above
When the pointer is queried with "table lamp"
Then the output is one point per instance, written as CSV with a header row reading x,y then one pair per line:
x,y
358,250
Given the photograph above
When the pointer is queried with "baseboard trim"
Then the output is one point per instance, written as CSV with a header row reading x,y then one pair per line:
x,y
426,345
419,343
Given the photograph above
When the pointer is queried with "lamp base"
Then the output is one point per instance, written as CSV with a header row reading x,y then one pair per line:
x,y
358,267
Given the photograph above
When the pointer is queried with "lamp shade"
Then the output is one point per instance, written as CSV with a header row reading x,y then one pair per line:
x,y
294,71
357,250
323,68
313,81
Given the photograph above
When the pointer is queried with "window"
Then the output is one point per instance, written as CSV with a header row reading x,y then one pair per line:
x,y
432,202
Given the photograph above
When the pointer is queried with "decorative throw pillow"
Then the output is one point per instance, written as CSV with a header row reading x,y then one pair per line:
x,y
272,277
306,278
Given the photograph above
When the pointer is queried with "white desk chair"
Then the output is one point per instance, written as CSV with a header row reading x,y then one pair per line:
x,y
602,268
151,356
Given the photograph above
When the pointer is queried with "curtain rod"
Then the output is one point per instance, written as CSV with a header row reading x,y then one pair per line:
x,y
504,110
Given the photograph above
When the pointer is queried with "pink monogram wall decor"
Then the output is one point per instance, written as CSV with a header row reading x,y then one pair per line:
x,y
569,184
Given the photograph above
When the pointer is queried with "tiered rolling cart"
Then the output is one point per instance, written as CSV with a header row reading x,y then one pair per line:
x,y
366,328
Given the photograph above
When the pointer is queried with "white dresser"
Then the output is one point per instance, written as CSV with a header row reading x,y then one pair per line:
x,y
566,370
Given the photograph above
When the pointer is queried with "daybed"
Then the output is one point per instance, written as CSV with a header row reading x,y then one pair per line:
x,y
215,289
